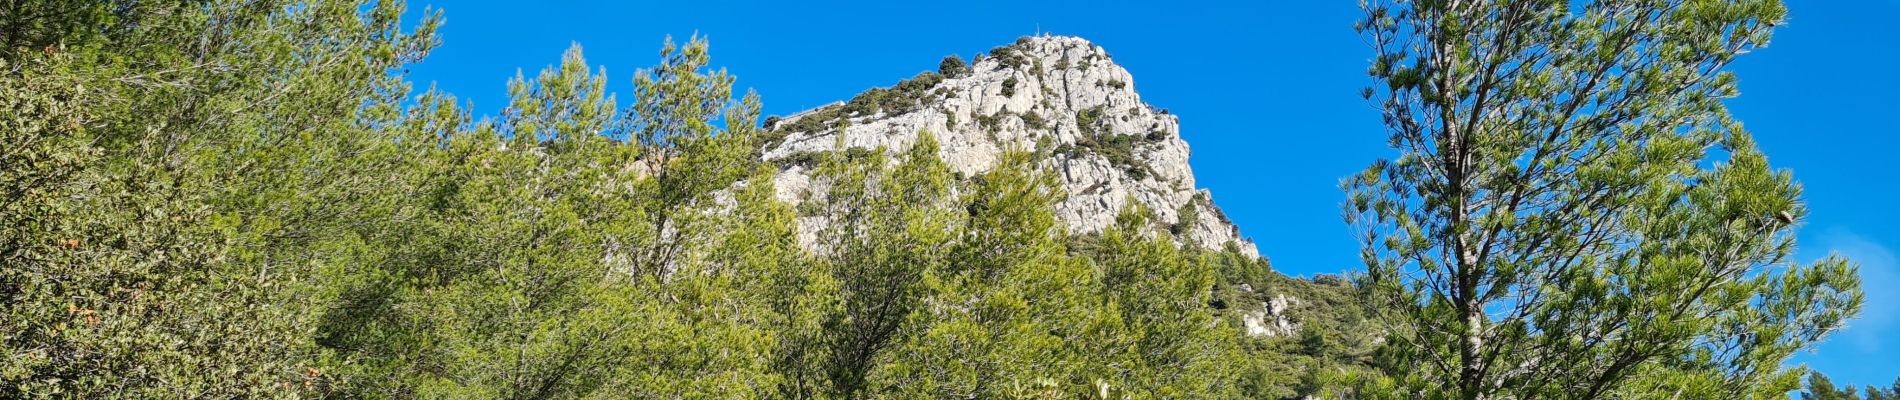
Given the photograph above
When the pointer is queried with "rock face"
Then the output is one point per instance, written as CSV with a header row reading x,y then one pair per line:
x,y
1056,96
1271,319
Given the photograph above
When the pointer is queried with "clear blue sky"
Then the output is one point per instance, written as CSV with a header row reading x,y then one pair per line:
x,y
1266,91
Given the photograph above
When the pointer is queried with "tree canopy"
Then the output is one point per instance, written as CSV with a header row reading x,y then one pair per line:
x,y
222,198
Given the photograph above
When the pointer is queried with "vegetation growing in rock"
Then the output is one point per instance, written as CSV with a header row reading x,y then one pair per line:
x,y
813,122
905,97
993,121
1187,215
1034,121
1157,135
953,66
1120,150
806,159
1009,56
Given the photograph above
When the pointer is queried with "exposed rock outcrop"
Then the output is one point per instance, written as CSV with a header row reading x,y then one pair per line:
x,y
1058,96
1271,319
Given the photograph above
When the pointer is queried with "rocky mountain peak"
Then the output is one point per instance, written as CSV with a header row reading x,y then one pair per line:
x,y
1058,96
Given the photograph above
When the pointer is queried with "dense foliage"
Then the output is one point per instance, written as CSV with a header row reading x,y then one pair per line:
x,y
222,198
243,199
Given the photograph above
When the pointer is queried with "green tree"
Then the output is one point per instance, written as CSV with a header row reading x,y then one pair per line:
x,y
1575,214
1821,388
953,67
525,308
886,226
137,261
695,145
761,251
571,236
1891,392
1001,309
1155,335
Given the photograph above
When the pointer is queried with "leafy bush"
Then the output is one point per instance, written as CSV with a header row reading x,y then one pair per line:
x,y
867,103
905,97
1187,215
1089,120
917,85
1009,87
1118,149
1010,57
908,95
814,122
953,66
803,158
990,122
1066,149
1034,121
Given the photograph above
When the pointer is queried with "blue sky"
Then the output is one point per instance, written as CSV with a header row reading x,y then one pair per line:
x,y
1267,94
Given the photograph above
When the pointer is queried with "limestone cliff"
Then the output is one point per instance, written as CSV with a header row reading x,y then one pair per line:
x,y
1062,97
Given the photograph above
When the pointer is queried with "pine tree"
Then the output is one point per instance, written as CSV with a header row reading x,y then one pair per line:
x,y
887,225
1155,335
1891,392
1001,307
539,268
1818,387
784,291
694,258
1574,214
